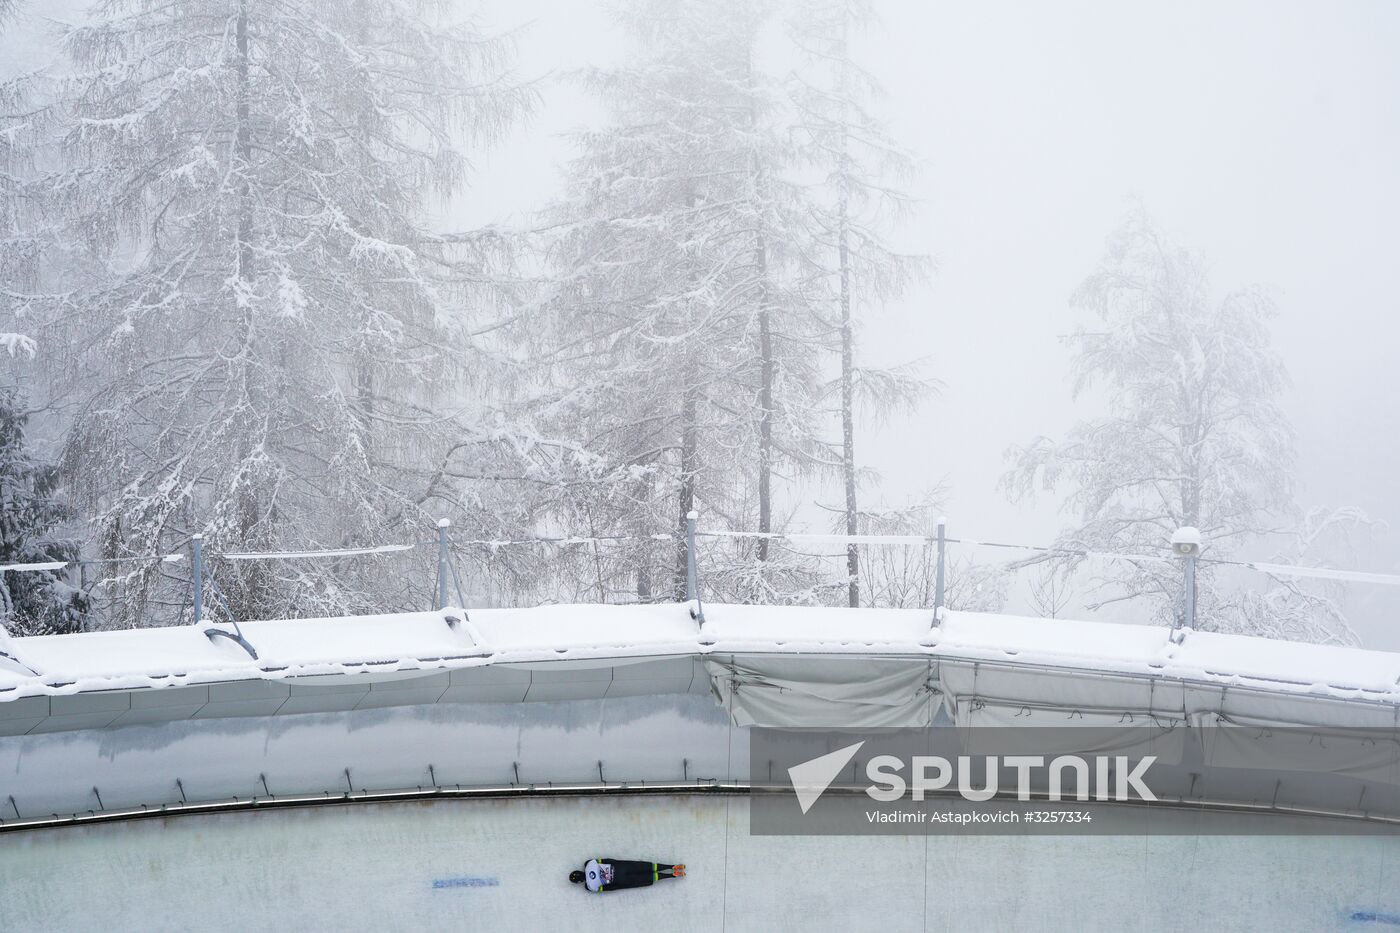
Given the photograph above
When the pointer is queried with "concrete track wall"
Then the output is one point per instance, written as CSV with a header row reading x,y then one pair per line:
x,y
502,865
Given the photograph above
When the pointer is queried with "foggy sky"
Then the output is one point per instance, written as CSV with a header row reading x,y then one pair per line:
x,y
1264,134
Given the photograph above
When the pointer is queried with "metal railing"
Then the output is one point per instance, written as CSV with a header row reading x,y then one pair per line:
x,y
1186,547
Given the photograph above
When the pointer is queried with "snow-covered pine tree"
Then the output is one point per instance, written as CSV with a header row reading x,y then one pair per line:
x,y
18,250
859,169
1193,436
32,602
32,510
275,343
681,357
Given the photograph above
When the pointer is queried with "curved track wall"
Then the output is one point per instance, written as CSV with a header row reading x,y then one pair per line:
x,y
502,864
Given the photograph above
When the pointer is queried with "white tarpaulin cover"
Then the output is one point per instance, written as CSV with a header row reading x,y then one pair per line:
x,y
1228,742
833,692
1070,731
1064,689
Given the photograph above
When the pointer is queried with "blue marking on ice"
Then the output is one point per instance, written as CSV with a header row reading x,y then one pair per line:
x,y
465,882
1374,916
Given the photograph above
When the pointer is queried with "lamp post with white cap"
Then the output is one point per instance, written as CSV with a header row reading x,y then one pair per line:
x,y
1186,544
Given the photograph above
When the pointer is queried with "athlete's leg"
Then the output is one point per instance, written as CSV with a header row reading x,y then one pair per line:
x,y
633,874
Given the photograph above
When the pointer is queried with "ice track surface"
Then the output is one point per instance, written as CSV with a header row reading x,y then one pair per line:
x,y
503,865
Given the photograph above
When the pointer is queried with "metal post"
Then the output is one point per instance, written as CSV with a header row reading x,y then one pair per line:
x,y
443,525
692,581
938,580
1191,591
197,543
690,586
1186,543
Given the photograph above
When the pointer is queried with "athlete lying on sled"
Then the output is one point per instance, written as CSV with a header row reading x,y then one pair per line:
x,y
614,874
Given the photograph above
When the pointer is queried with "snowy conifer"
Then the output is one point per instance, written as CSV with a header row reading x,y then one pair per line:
x,y
859,168
1193,436
18,247
32,602
681,353
267,339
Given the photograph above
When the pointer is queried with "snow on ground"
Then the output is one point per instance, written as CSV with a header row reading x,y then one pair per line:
x,y
582,633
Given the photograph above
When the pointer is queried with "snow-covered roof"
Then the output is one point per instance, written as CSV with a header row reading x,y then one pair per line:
x,y
967,650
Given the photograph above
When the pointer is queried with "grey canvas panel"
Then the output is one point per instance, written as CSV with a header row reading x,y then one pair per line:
x,y
824,691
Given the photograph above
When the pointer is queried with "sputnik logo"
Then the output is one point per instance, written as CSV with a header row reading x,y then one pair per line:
x,y
811,778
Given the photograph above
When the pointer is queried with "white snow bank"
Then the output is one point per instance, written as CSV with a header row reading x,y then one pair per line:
x,y
563,632
1094,644
1290,663
792,628
183,655
593,635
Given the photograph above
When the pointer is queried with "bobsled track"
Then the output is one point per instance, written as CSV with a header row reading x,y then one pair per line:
x,y
502,865
445,770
